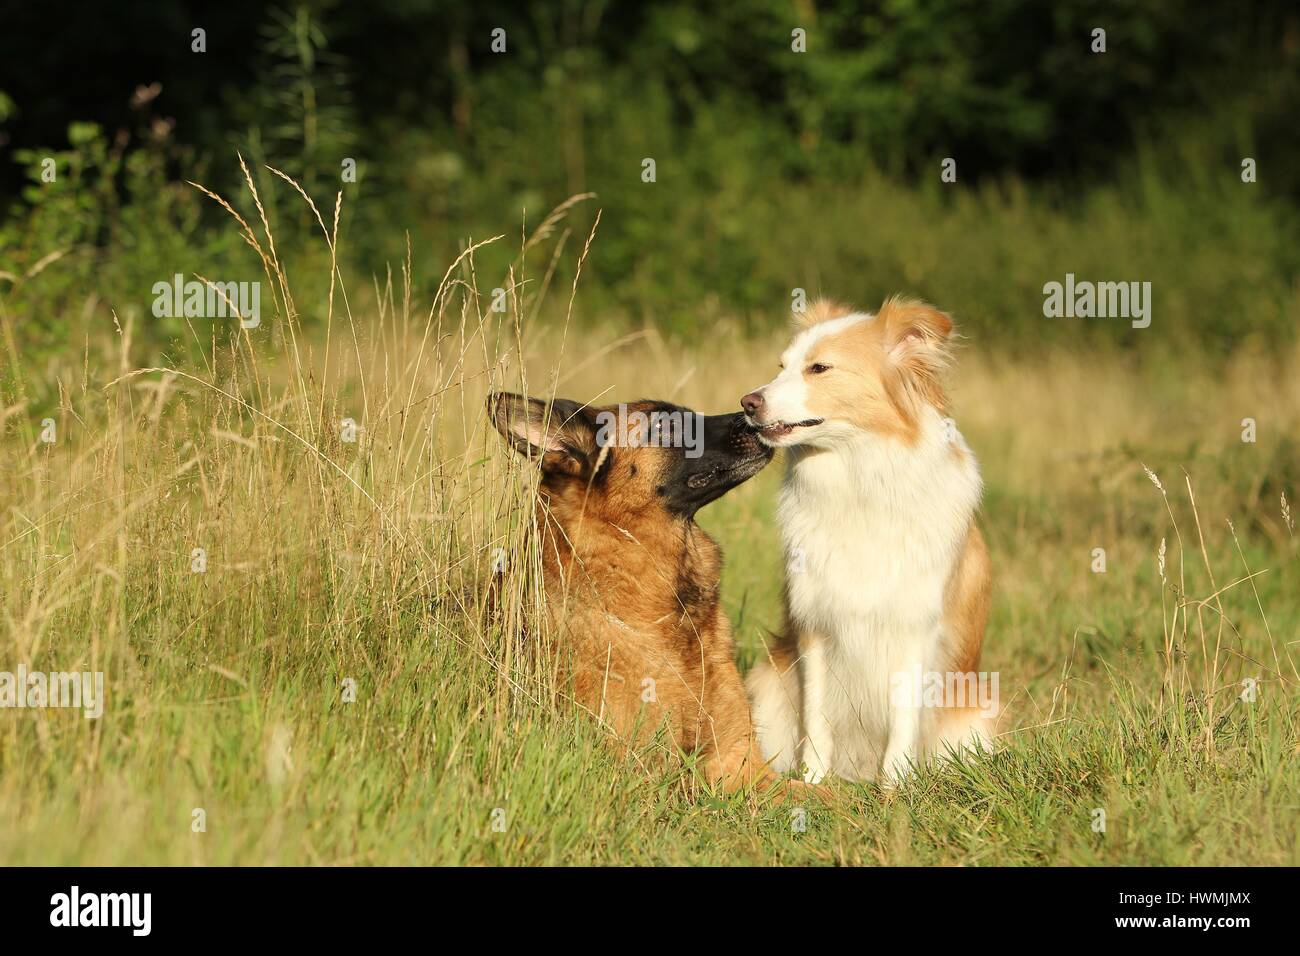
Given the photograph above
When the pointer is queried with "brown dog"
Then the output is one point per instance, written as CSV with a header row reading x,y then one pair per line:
x,y
631,581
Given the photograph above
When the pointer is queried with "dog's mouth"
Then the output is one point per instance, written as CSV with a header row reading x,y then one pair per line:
x,y
733,474
781,429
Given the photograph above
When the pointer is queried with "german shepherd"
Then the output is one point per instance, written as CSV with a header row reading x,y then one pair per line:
x,y
631,581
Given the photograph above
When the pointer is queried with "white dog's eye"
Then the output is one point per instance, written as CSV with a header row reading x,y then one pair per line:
x,y
817,368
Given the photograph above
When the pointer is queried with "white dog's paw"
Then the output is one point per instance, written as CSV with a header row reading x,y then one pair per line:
x,y
814,771
896,773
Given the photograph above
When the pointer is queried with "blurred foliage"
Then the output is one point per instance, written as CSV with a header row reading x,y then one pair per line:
x,y
775,169
102,222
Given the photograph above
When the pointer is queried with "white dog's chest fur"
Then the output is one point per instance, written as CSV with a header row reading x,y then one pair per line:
x,y
872,531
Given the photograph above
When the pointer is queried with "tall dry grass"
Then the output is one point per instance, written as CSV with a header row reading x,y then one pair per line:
x,y
331,561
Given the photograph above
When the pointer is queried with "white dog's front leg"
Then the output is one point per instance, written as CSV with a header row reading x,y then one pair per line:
x,y
818,747
902,744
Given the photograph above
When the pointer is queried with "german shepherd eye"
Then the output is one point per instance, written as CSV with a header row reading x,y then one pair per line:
x,y
817,368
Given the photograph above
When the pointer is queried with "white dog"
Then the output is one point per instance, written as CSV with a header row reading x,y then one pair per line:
x,y
888,578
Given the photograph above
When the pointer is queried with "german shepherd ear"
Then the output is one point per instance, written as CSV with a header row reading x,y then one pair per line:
x,y
559,435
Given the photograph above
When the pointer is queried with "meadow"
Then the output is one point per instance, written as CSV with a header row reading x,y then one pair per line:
x,y
290,609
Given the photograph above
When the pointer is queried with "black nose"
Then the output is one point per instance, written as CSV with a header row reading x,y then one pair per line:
x,y
751,403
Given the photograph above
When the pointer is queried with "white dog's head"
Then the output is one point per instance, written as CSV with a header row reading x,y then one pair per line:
x,y
847,372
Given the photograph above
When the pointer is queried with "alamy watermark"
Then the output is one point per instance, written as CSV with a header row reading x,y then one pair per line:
x,y
62,689
1102,300
927,689
659,429
208,300
133,911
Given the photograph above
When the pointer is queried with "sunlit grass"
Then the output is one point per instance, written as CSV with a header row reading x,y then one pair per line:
x,y
333,564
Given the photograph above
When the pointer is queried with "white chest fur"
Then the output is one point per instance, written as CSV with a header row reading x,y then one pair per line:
x,y
872,529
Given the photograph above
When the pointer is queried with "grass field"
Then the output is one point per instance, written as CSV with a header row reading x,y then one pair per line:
x,y
329,690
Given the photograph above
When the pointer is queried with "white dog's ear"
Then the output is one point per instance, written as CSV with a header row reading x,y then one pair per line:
x,y
559,436
916,339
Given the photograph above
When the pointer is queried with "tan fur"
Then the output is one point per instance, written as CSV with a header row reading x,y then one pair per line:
x,y
633,595
862,393
822,310
966,604
917,336
892,363
965,614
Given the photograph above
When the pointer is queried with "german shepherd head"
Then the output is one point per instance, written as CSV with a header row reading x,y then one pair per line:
x,y
642,460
